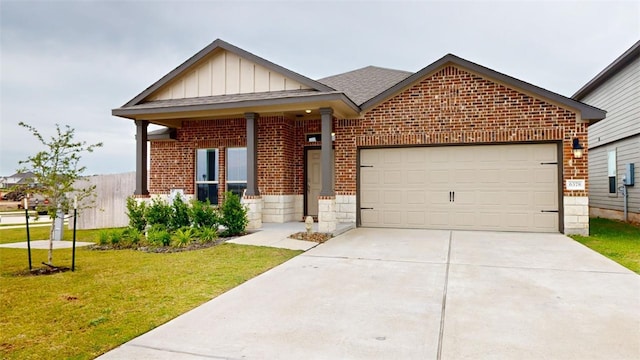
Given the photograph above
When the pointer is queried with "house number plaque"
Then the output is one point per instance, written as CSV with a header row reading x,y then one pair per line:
x,y
575,184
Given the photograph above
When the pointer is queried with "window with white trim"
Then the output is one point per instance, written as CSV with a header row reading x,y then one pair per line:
x,y
611,171
207,175
236,170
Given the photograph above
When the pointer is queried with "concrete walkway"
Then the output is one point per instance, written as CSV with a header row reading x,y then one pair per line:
x,y
277,235
417,294
44,244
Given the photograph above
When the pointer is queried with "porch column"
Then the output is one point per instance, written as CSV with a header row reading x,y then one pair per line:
x,y
141,158
327,145
327,198
252,199
252,154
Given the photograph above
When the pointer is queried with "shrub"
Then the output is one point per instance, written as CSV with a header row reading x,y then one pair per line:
x,y
179,214
159,212
204,215
159,236
208,234
234,215
132,235
182,237
115,237
103,237
136,213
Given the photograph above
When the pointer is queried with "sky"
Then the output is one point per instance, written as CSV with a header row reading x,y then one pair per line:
x,y
72,62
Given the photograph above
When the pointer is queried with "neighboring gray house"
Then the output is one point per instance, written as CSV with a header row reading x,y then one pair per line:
x,y
615,141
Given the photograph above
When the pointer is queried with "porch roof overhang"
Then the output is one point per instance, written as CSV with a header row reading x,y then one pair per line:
x,y
165,112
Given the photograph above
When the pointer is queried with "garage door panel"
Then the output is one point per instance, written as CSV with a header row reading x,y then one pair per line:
x,y
416,197
392,197
392,177
416,177
416,218
369,197
369,177
545,175
392,218
497,187
546,200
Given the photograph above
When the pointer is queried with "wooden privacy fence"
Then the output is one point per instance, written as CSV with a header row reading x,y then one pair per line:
x,y
111,201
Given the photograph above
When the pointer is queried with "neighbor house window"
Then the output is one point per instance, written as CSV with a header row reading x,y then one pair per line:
x,y
237,170
611,170
207,175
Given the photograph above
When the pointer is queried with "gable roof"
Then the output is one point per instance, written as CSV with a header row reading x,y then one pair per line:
x,y
587,112
362,84
220,44
618,64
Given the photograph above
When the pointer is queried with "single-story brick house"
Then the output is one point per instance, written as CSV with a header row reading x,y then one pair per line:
x,y
614,143
453,146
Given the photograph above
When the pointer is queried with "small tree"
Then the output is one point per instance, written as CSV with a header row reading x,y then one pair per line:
x,y
234,215
57,173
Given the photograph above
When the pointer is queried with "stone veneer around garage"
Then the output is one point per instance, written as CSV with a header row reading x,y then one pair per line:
x,y
576,215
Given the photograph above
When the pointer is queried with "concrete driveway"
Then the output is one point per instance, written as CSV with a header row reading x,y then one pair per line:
x,y
417,294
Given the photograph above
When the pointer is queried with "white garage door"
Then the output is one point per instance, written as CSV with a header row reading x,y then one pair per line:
x,y
489,187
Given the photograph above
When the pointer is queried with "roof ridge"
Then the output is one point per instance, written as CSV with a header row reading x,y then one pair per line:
x,y
363,68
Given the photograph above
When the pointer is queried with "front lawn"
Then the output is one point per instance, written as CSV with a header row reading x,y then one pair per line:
x,y
616,240
113,296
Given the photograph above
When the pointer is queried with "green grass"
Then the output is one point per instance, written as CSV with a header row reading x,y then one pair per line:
x,y
113,296
616,240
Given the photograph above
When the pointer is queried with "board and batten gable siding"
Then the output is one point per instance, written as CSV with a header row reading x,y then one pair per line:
x,y
225,73
620,98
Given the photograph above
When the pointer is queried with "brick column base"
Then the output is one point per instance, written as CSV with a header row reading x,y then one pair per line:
x,y
254,211
327,214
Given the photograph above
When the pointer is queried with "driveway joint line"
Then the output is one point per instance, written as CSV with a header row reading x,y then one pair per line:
x,y
444,297
374,259
543,268
182,352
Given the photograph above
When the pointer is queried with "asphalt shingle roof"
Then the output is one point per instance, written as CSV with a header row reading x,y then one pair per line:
x,y
363,84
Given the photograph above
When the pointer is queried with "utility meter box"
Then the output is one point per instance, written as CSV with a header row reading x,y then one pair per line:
x,y
629,177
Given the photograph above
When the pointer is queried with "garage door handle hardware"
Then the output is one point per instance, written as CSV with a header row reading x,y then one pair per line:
x,y
366,166
549,163
366,208
452,196
554,211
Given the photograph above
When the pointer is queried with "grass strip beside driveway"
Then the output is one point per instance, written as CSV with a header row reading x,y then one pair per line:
x,y
616,240
113,296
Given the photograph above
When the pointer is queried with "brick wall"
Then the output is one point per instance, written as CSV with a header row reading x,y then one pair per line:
x,y
454,106
173,162
451,106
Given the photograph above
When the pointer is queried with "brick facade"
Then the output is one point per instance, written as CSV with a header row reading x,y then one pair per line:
x,y
451,106
454,106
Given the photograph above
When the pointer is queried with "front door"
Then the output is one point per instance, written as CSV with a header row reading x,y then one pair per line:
x,y
314,180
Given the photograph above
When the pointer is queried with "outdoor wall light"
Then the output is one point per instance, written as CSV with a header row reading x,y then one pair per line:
x,y
577,148
308,111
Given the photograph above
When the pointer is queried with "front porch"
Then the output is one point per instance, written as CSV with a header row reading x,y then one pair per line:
x,y
286,171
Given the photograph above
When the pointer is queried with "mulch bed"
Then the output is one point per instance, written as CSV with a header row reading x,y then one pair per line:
x,y
314,236
166,249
